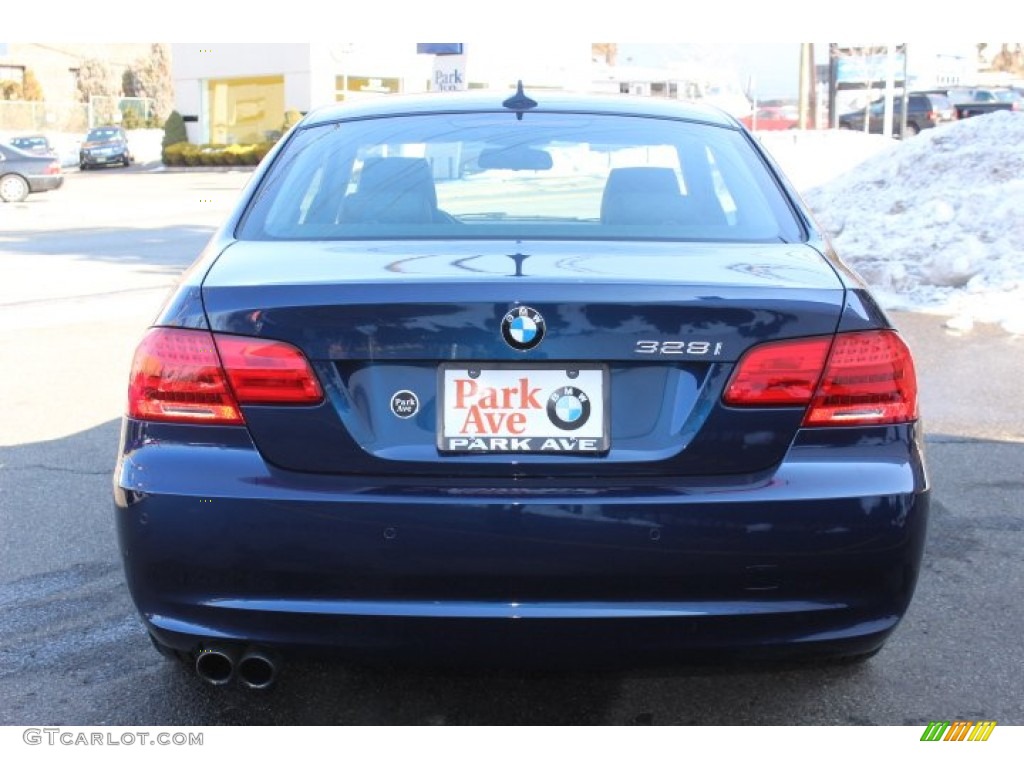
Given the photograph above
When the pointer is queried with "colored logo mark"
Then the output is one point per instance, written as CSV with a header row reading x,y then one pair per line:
x,y
958,730
522,328
568,408
405,404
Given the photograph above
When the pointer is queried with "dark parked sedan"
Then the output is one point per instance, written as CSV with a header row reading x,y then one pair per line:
x,y
926,110
562,379
36,144
972,102
999,96
106,145
22,173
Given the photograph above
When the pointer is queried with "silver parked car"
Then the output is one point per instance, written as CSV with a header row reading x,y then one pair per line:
x,y
22,173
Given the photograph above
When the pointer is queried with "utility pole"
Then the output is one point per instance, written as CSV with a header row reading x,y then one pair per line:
x,y
890,88
807,100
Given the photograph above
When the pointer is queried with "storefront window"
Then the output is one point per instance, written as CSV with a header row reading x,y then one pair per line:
x,y
245,110
354,86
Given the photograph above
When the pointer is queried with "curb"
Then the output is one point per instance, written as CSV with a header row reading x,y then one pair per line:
x,y
202,169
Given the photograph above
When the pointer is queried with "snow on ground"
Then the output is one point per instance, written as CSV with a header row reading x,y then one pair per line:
x,y
813,158
934,223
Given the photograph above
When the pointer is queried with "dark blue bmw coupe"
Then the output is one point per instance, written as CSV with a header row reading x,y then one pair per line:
x,y
558,378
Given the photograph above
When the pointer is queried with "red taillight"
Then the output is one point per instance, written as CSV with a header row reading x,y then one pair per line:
x,y
867,378
870,379
177,376
268,372
779,373
52,169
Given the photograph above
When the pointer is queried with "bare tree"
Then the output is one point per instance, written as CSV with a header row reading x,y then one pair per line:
x,y
96,79
150,77
31,90
1009,59
606,52
26,90
98,85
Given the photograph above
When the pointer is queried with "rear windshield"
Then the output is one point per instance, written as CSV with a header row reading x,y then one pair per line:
x,y
491,175
960,96
103,134
29,142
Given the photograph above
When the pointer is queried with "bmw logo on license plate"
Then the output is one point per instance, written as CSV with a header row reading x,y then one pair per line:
x,y
568,408
522,328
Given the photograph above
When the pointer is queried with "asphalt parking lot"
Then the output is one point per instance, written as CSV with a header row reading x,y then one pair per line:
x,y
84,270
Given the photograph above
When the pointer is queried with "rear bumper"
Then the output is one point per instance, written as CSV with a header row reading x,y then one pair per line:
x,y
45,183
820,555
93,161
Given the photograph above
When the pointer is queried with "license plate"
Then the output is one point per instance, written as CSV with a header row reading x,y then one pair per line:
x,y
515,408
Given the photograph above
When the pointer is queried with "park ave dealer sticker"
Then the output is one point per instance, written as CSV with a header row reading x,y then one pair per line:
x,y
524,409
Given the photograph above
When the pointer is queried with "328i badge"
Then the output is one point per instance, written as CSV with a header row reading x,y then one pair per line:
x,y
565,378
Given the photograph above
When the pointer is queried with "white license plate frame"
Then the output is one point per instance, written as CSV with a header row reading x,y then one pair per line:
x,y
523,408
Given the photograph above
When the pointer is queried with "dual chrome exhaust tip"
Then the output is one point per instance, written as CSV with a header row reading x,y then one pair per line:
x,y
255,668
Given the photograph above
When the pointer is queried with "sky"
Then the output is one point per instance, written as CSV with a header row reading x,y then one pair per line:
x,y
536,23
771,68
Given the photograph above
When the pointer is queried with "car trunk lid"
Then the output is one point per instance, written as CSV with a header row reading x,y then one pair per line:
x,y
403,335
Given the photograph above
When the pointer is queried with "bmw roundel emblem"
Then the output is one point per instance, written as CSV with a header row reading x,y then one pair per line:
x,y
568,408
522,328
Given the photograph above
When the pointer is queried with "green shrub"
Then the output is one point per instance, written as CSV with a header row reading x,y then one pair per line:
x,y
174,130
130,119
211,155
175,153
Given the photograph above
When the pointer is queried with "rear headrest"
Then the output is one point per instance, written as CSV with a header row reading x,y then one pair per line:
x,y
642,196
645,180
393,190
403,175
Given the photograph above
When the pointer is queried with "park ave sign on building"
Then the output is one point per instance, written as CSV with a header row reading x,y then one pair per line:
x,y
449,73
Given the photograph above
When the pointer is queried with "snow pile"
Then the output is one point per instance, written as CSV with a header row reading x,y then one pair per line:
x,y
813,158
937,222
